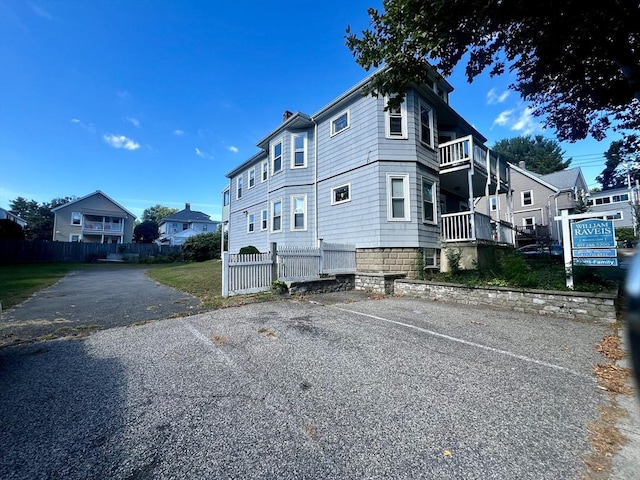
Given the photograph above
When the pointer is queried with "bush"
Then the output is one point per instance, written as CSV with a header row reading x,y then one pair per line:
x,y
202,247
248,250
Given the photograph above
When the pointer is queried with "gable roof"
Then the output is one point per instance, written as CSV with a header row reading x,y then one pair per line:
x,y
556,181
97,192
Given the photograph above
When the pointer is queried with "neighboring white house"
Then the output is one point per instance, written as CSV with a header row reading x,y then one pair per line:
x,y
176,228
396,183
10,215
621,200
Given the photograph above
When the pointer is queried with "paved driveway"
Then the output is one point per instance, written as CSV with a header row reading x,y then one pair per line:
x,y
390,388
94,299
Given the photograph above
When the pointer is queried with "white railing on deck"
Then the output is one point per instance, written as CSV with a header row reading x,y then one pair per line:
x,y
89,226
461,226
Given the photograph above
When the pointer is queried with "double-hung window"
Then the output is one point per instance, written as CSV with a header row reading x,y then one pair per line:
x,y
276,216
396,121
252,177
428,204
265,171
398,197
76,218
225,198
265,220
426,124
340,122
527,198
239,187
299,150
251,223
276,157
299,212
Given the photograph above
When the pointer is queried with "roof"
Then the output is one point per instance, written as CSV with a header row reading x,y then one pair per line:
x,y
188,215
97,192
564,179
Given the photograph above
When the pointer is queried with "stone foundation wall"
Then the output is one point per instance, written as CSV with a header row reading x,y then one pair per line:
x,y
337,283
590,307
377,282
387,260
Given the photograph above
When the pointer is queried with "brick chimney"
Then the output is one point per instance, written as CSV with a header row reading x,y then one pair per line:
x,y
187,206
286,115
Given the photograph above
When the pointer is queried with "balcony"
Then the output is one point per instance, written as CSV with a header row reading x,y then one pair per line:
x,y
93,227
473,227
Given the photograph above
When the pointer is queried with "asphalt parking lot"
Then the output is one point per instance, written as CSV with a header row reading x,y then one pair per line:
x,y
363,388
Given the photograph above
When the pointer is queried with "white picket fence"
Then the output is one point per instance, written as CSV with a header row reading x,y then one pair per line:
x,y
252,273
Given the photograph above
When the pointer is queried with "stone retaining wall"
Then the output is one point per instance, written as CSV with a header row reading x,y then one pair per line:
x,y
590,307
388,260
337,283
377,282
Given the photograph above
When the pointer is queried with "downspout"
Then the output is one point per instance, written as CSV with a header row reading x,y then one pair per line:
x,y
315,179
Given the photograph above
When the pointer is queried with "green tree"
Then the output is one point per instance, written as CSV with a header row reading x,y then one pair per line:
x,y
10,230
541,155
622,165
578,65
38,216
157,213
146,232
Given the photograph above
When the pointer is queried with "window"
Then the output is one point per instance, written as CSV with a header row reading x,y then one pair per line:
x,y
396,121
494,203
397,197
341,194
428,210
185,226
251,219
603,200
276,157
225,198
426,124
299,150
340,123
265,171
205,227
529,222
527,198
76,219
276,216
74,238
252,177
621,198
299,212
239,187
430,256
265,220
616,216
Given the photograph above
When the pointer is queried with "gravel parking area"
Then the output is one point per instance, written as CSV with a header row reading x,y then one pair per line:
x,y
389,388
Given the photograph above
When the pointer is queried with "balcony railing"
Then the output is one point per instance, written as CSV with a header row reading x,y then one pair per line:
x,y
465,150
102,227
465,227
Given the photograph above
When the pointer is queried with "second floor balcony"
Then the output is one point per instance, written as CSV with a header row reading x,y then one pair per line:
x,y
103,226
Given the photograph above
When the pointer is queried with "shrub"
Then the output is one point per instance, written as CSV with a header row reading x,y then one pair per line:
x,y
279,287
248,249
202,247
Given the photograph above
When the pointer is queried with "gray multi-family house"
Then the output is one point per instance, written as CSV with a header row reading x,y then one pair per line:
x,y
178,227
395,182
623,201
536,200
94,218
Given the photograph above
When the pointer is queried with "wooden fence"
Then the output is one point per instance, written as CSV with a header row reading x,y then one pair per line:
x,y
26,251
252,273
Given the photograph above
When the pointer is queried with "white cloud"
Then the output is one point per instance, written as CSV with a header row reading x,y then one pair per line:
x,y
87,126
520,120
493,98
203,154
39,11
233,149
178,132
120,141
134,121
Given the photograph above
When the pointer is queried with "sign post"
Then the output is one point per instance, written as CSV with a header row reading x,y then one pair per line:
x,y
588,240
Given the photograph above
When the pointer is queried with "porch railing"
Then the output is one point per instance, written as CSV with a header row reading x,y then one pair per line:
x,y
99,227
465,151
463,226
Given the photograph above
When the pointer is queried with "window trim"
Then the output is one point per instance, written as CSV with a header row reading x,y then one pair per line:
x,y
264,220
264,174
493,204
406,193
273,215
525,224
294,150
239,185
333,131
226,198
273,157
403,121
251,223
79,214
71,235
249,174
433,203
333,194
292,202
422,104
522,202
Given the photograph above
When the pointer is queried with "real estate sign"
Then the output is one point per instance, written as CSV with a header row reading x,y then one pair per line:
x,y
593,233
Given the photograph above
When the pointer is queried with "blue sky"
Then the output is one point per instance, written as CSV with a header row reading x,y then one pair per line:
x,y
153,102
